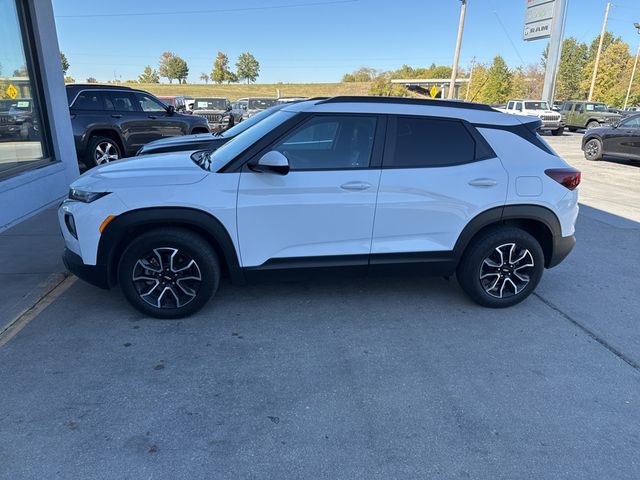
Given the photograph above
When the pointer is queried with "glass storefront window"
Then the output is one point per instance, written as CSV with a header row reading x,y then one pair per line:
x,y
21,128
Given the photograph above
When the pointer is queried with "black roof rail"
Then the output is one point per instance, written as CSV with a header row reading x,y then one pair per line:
x,y
410,101
97,85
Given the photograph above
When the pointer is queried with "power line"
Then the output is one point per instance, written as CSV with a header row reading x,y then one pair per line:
x,y
220,10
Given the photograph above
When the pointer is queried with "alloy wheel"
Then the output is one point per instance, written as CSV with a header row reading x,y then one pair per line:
x,y
592,149
506,271
167,278
105,152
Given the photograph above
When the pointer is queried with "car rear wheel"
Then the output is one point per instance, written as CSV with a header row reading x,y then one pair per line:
x,y
572,129
593,149
501,267
169,273
592,124
101,150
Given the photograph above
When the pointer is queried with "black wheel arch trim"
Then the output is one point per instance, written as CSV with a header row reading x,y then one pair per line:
x,y
503,214
113,238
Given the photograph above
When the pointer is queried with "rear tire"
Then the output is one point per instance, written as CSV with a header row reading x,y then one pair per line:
x,y
592,124
101,150
169,273
572,129
501,267
593,150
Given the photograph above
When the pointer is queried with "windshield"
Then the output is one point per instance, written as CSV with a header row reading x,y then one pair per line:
x,y
596,107
250,122
261,103
536,106
240,143
210,104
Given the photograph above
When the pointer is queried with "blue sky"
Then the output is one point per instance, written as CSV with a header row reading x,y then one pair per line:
x,y
309,40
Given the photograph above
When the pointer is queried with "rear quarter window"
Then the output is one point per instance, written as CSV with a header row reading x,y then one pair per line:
x,y
416,142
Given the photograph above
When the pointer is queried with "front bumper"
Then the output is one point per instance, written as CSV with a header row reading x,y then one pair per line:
x,y
562,247
548,125
94,274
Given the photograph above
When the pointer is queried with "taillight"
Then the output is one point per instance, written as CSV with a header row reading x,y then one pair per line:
x,y
567,177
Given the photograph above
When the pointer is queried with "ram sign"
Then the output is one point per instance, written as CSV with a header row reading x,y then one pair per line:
x,y
538,19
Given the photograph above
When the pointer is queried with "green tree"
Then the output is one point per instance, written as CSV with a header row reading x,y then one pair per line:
x,y
572,63
478,80
92,80
149,75
204,77
68,79
614,71
363,74
65,63
20,72
221,72
498,82
173,67
383,87
248,67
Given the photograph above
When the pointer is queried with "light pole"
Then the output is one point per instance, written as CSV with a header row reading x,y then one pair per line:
x,y
595,67
456,55
633,72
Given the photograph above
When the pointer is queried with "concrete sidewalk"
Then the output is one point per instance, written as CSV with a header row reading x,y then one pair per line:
x,y
30,264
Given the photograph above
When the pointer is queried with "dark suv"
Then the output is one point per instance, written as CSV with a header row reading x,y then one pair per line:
x,y
110,122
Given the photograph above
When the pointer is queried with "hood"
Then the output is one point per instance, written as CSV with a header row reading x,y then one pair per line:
x,y
145,171
181,140
209,111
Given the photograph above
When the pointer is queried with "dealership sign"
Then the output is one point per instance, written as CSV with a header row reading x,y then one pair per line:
x,y
538,19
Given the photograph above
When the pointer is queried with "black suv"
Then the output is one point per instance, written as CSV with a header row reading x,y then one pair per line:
x,y
110,122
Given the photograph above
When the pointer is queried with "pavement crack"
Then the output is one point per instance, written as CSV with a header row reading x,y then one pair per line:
x,y
625,358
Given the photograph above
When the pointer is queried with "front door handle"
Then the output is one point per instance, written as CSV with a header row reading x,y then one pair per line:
x,y
355,186
115,115
483,182
153,117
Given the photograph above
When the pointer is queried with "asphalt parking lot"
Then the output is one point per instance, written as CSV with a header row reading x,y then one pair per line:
x,y
358,378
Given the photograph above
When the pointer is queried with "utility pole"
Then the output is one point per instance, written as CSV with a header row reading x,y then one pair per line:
x,y
456,55
633,72
595,67
555,50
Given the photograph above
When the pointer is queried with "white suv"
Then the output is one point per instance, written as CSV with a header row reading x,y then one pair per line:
x,y
448,187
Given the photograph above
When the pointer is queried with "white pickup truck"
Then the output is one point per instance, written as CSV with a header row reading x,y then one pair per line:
x,y
551,121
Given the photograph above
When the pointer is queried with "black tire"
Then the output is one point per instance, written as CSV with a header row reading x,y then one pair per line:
x,y
97,144
592,124
572,129
593,149
557,132
485,248
193,271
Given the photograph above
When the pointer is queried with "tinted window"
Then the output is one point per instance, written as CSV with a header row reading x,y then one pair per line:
x,y
330,143
579,108
519,106
149,104
426,142
120,101
89,100
510,106
631,123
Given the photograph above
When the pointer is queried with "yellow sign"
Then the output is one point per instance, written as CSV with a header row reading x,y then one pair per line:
x,y
12,91
433,91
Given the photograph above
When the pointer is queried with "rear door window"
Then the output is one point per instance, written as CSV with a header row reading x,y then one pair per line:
x,y
120,101
89,100
418,142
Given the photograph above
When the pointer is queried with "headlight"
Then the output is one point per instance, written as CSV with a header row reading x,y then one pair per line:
x,y
85,197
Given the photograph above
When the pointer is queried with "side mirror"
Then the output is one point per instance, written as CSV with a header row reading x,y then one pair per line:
x,y
228,108
171,109
271,162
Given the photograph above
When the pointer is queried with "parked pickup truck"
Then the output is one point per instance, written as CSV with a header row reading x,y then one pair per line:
x,y
551,121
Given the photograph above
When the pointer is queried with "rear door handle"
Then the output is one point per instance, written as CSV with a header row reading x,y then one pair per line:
x,y
153,117
483,182
355,186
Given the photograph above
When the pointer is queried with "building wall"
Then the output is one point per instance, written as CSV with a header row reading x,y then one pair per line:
x,y
28,192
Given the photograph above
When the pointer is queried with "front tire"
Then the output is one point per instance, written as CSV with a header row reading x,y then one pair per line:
x,y
593,150
169,273
501,267
592,124
557,132
572,129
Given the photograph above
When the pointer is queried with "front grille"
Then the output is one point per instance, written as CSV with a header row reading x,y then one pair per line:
x,y
212,117
550,118
5,120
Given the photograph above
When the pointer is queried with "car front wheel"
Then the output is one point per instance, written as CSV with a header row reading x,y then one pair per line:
x,y
592,124
501,267
169,273
593,149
